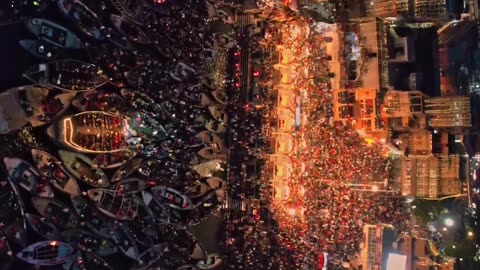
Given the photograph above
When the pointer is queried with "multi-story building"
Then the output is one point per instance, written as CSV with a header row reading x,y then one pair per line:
x,y
403,110
449,112
377,242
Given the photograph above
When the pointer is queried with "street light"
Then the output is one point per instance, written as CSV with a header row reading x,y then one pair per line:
x,y
470,233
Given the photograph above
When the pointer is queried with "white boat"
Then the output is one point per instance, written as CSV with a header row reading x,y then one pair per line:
x,y
66,75
92,132
42,227
130,29
217,114
53,33
82,168
84,18
126,170
172,197
51,167
24,175
47,253
113,204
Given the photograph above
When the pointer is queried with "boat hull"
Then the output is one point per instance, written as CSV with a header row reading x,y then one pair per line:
x,y
80,166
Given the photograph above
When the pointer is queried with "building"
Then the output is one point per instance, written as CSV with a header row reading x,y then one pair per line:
x,y
417,254
449,112
377,243
387,8
403,110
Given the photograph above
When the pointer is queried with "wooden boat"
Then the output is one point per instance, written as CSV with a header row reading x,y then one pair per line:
x,y
160,212
55,211
24,175
140,234
118,39
6,253
113,204
216,183
130,185
214,126
88,260
93,219
211,153
47,253
39,48
84,18
49,166
81,167
113,160
42,227
150,256
191,246
213,261
99,101
199,99
197,190
182,71
130,29
66,75
84,240
126,170
18,106
92,132
172,198
12,213
52,108
211,139
53,33
220,97
125,242
217,114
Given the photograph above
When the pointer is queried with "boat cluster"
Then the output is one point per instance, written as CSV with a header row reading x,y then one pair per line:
x,y
140,125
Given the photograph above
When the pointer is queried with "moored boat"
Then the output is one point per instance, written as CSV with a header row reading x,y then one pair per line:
x,y
6,253
160,212
113,160
49,166
213,261
172,198
216,183
130,185
199,99
53,33
82,168
12,213
66,75
24,175
39,48
211,139
84,18
42,227
99,101
211,153
88,260
93,132
220,97
217,114
125,241
197,190
47,253
55,212
127,169
150,256
20,105
130,29
113,204
84,240
91,217
214,126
